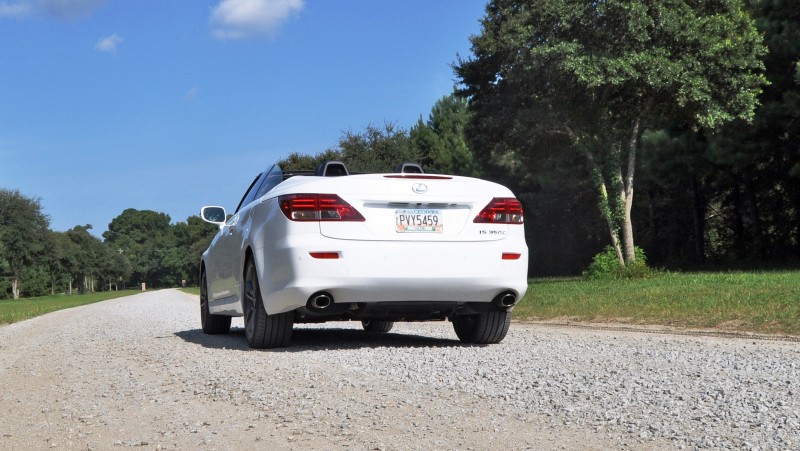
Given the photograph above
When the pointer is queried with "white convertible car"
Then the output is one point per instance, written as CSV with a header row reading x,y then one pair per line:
x,y
327,245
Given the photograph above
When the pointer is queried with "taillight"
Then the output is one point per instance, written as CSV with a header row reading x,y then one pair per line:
x,y
501,210
317,207
325,255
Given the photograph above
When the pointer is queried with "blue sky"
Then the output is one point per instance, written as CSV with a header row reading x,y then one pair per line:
x,y
169,105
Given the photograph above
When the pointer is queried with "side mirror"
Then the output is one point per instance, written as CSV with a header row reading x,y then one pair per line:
x,y
214,215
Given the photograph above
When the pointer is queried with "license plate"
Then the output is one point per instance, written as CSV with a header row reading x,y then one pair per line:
x,y
418,220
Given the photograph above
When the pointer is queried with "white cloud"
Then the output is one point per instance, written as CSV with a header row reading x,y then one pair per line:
x,y
59,9
236,19
108,44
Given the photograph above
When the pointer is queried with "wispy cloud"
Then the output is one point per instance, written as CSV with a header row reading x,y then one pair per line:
x,y
108,44
15,10
58,9
237,19
191,94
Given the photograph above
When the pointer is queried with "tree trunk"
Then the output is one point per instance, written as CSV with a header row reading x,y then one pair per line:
x,y
605,208
739,238
699,218
757,230
15,288
627,192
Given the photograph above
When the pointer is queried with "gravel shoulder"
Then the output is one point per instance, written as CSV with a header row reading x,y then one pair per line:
x,y
138,372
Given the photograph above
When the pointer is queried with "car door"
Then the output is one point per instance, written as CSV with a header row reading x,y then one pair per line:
x,y
224,262
223,265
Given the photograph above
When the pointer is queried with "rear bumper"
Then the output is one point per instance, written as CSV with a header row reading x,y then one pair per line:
x,y
380,271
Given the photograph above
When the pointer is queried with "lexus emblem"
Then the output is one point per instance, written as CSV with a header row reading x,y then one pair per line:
x,y
419,188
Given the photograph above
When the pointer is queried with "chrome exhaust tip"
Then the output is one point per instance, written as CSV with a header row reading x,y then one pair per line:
x,y
320,301
505,300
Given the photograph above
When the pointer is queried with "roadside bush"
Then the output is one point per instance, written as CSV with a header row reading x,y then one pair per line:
x,y
605,265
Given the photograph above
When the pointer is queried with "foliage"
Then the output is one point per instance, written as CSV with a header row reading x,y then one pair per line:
x,y
147,240
23,234
764,302
592,76
373,150
376,150
605,265
441,140
140,246
192,239
731,195
300,162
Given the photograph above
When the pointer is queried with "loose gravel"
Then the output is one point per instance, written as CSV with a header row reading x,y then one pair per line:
x,y
138,372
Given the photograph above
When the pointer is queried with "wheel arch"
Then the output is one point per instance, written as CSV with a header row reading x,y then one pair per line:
x,y
246,256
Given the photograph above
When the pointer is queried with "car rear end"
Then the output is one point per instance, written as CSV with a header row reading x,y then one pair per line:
x,y
392,246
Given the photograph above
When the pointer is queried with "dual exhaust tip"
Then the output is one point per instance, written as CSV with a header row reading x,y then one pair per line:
x,y
323,300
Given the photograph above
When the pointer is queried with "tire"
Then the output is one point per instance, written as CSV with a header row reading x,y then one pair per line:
x,y
377,326
211,324
260,329
483,328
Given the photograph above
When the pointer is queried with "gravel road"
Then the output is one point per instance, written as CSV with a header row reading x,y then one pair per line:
x,y
138,372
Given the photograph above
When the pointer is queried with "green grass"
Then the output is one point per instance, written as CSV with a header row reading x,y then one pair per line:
x,y
192,290
12,311
755,302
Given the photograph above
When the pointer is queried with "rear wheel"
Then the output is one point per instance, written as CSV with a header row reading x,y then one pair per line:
x,y
376,325
211,324
483,328
260,329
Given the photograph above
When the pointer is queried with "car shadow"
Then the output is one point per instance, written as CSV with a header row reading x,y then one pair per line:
x,y
309,339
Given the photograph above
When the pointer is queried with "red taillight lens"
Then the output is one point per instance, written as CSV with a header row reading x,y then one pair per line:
x,y
501,210
325,255
317,207
511,256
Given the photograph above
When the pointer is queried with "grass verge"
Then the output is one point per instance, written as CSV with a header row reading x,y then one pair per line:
x,y
192,290
766,302
12,311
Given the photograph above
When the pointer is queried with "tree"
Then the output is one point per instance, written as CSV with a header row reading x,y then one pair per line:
x,y
731,195
23,229
61,260
442,140
147,240
592,76
759,163
192,239
299,162
88,254
376,149
373,150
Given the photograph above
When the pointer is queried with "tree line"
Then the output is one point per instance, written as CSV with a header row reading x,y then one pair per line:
x,y
667,129
139,246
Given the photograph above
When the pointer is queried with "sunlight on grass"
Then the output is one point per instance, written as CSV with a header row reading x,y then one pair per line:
x,y
757,302
12,311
